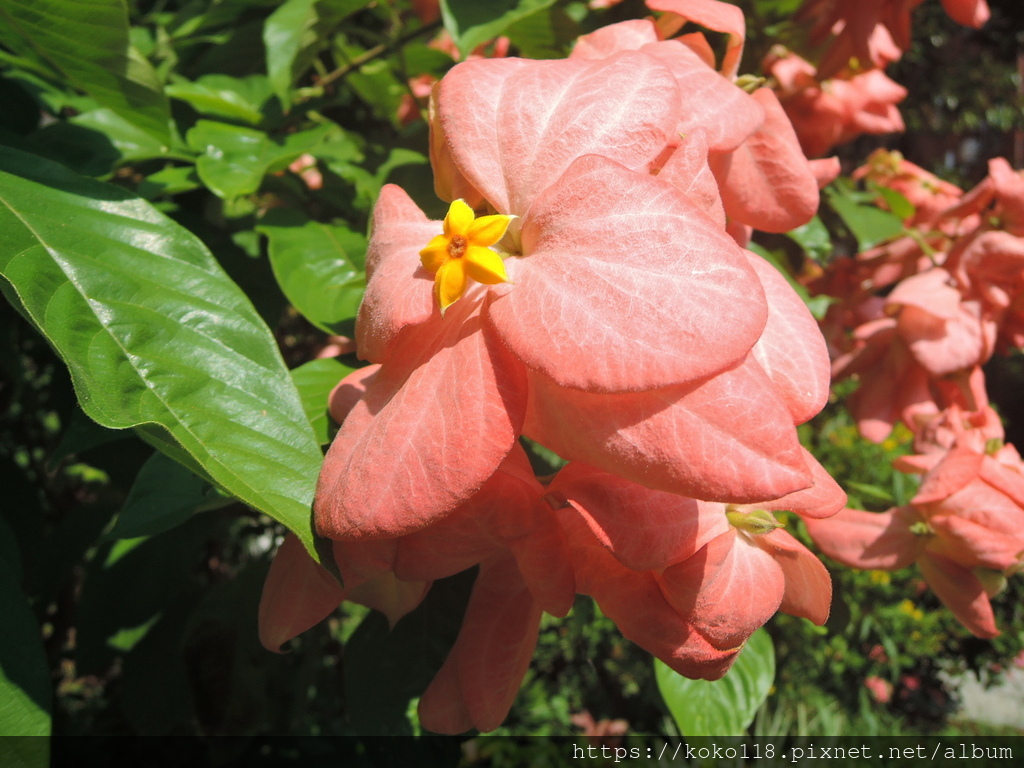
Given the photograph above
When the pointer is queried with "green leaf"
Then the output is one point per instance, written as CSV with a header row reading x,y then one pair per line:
x,y
25,697
295,33
21,113
814,238
131,141
197,17
315,380
548,34
234,160
85,43
132,585
170,181
472,23
868,223
84,150
872,491
155,334
231,98
376,83
31,752
898,204
163,495
420,59
723,707
318,266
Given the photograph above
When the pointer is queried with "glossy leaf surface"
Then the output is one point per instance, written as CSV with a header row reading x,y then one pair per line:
x,y
155,333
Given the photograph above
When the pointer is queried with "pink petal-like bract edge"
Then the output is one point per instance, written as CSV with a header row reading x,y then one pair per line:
x,y
435,423
868,540
514,126
962,592
767,182
727,438
298,594
479,680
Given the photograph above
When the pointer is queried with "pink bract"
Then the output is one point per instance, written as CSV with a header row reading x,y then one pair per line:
x,y
764,177
676,576
512,127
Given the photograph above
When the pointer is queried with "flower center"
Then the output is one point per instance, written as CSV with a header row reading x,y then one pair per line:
x,y
457,247
463,252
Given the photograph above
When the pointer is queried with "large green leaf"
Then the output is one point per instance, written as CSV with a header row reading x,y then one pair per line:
x,y
130,584
723,707
318,266
472,23
85,43
156,334
24,677
294,33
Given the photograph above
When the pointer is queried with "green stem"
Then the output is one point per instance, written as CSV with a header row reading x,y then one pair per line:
x,y
375,53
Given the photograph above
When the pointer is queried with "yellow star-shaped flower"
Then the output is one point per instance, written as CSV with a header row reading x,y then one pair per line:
x,y
464,252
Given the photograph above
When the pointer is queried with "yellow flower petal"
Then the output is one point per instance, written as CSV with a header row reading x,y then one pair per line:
x,y
460,217
450,283
435,254
485,266
487,230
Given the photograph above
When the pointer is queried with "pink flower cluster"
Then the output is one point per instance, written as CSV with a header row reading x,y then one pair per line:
x,y
847,94
832,111
601,307
956,295
872,33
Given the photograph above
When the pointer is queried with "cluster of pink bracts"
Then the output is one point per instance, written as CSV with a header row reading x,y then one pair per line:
x,y
634,337
848,93
957,296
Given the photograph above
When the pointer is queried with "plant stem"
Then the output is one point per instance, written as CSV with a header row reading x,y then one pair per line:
x,y
375,53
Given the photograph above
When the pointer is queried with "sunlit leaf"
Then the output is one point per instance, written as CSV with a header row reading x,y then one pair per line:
x,y
234,160
318,266
867,222
294,33
155,334
226,97
128,138
898,204
471,23
85,43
